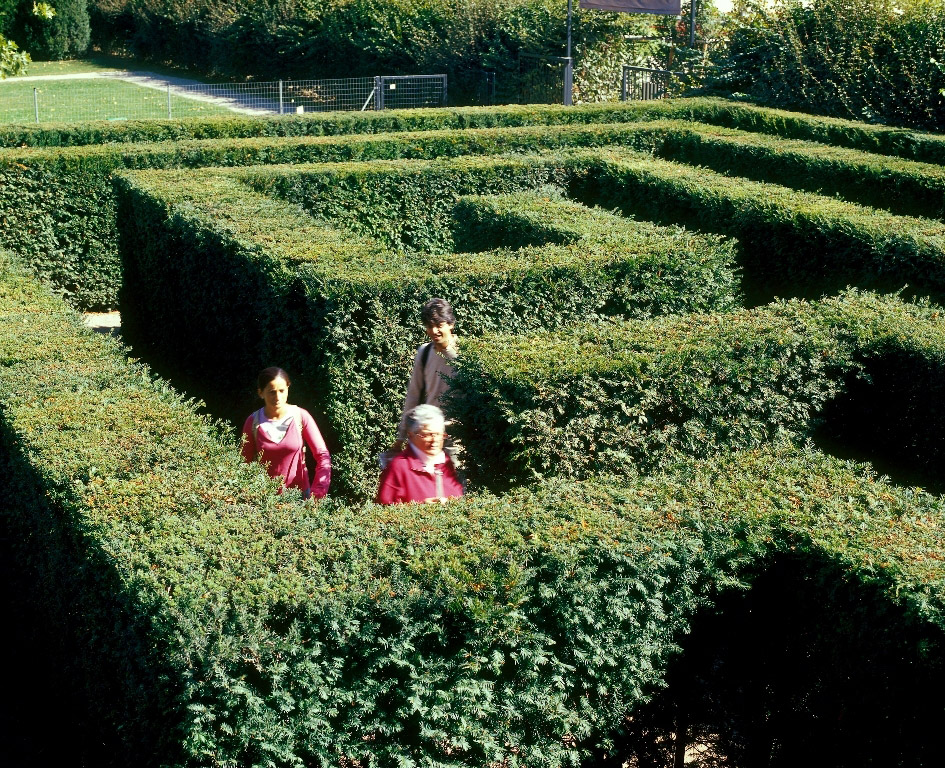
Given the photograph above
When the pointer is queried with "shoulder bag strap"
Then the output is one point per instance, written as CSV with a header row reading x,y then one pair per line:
x,y
424,357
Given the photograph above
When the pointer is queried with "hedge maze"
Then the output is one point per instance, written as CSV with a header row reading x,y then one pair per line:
x,y
677,331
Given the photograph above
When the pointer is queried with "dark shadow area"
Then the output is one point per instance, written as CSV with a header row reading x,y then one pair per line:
x,y
84,686
893,417
41,709
805,668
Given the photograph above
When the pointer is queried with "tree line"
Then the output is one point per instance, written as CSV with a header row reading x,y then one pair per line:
x,y
875,60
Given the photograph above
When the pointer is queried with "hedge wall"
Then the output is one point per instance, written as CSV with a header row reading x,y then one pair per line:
x,y
223,624
883,140
58,206
622,397
901,186
251,280
58,210
341,123
794,243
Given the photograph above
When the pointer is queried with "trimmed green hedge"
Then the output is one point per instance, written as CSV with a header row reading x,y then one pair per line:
x,y
900,186
339,123
622,397
898,142
219,623
251,280
794,243
58,207
866,137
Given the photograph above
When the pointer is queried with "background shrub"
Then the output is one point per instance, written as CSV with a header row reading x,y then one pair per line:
x,y
63,35
874,60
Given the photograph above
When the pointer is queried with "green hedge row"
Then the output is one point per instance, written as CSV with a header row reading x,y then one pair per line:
x,y
898,142
251,280
791,242
339,123
620,397
901,186
219,623
58,207
852,134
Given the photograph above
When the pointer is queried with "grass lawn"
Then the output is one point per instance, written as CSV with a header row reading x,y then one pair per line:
x,y
104,63
80,66
105,99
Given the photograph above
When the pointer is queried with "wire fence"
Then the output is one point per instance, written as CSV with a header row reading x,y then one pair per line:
x,y
644,83
543,79
135,98
540,79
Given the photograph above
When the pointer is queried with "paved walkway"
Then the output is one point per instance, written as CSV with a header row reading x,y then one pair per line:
x,y
103,322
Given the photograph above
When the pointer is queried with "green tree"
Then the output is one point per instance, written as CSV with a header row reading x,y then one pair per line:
x,y
875,60
53,32
13,61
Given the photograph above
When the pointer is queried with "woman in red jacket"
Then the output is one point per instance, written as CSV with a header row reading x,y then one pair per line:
x,y
422,471
276,435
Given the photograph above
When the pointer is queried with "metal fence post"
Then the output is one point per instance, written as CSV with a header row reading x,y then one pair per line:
x,y
378,92
623,85
568,81
281,105
36,103
444,90
169,115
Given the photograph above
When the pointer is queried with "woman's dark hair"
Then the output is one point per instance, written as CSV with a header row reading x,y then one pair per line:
x,y
268,374
436,311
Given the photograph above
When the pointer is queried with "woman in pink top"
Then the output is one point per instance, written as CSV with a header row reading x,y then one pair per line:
x,y
276,435
422,471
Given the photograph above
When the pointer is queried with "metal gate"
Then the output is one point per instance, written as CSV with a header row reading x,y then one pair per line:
x,y
642,83
545,79
408,91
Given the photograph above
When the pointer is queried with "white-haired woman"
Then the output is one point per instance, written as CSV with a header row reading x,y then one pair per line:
x,y
422,471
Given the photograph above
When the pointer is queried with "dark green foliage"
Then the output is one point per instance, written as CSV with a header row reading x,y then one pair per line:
x,y
220,623
873,60
341,123
64,36
791,242
883,140
58,206
623,397
900,186
252,281
364,38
